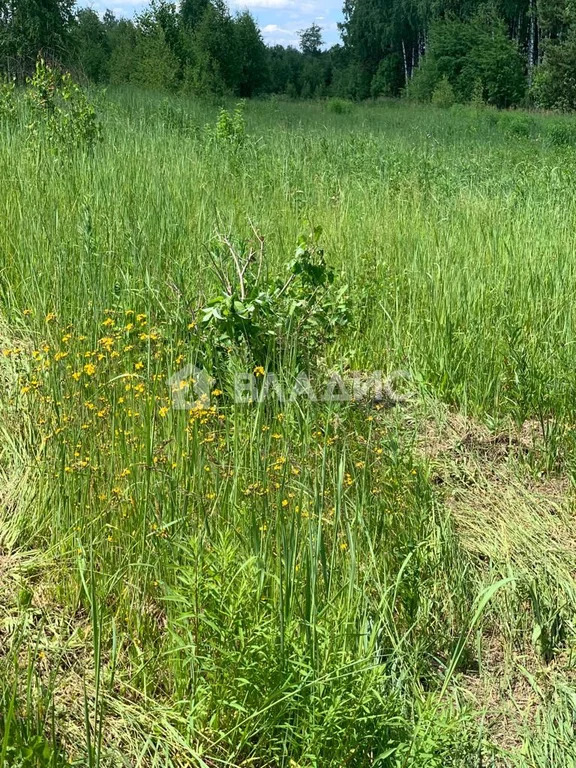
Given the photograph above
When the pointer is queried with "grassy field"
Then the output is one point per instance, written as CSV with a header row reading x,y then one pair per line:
x,y
298,584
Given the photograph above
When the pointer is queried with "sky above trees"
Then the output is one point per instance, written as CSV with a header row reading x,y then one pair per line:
x,y
279,20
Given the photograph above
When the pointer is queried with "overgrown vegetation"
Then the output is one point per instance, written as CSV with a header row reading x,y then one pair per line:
x,y
62,116
287,582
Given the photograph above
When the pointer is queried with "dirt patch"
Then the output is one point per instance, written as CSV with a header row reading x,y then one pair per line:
x,y
512,520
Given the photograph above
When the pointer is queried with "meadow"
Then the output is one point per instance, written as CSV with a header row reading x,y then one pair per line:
x,y
298,584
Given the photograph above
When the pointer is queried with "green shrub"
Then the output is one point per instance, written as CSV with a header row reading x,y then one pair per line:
x,y
230,126
339,106
520,126
62,114
294,316
443,95
477,99
7,100
389,77
554,81
421,86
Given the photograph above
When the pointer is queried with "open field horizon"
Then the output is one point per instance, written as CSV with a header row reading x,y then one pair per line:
x,y
372,583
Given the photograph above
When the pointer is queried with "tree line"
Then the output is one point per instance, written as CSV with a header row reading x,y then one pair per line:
x,y
503,52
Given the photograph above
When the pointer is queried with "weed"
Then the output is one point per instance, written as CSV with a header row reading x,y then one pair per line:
x,y
62,115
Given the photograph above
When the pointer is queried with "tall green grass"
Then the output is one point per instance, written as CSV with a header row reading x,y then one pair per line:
x,y
277,585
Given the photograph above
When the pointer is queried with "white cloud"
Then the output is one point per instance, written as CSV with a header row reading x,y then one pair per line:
x,y
296,7
269,28
125,7
274,4
285,42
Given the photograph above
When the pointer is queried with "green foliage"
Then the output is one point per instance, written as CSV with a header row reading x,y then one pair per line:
x,y
388,79
311,40
443,739
62,114
24,723
32,752
561,133
213,54
477,97
352,82
554,81
521,126
304,582
191,12
123,38
374,31
389,47
29,27
295,317
156,64
35,752
339,106
443,95
252,66
230,127
204,77
7,100
467,53
91,46
424,81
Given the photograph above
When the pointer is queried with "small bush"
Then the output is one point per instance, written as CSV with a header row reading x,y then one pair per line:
x,y
339,106
477,99
296,316
7,100
230,127
520,126
443,95
63,116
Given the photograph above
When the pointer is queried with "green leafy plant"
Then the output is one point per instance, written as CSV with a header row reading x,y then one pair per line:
x,y
339,106
62,114
296,316
521,126
7,100
230,127
477,99
443,95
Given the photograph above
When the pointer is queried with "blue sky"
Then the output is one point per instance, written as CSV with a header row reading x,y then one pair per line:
x,y
279,20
